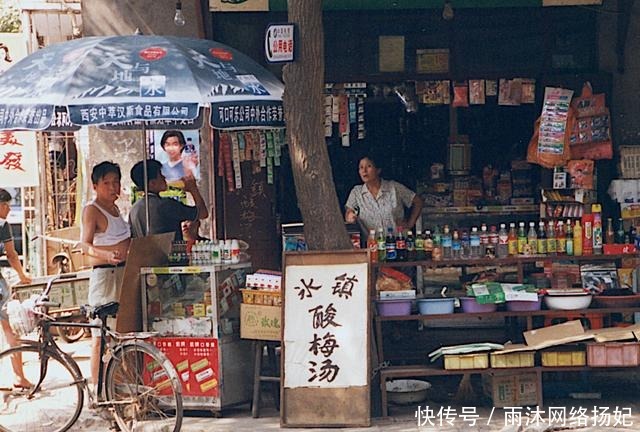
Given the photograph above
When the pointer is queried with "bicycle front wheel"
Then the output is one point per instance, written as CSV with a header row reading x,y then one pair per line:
x,y
55,405
144,388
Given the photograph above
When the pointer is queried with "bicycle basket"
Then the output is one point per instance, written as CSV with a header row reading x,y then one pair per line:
x,y
22,319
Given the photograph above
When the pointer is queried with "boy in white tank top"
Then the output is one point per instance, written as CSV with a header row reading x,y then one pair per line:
x,y
105,240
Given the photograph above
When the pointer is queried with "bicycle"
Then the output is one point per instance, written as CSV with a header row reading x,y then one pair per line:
x,y
137,384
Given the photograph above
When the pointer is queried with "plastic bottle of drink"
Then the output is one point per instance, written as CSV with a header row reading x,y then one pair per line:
x,y
419,246
372,246
401,246
484,239
610,234
390,244
235,251
411,246
522,237
382,247
512,241
490,249
620,232
503,242
542,239
569,236
217,252
596,209
532,238
456,245
428,245
577,239
208,252
226,251
474,243
437,235
195,253
561,239
466,244
446,241
552,246
436,253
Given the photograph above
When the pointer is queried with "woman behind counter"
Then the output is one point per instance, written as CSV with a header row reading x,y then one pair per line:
x,y
380,203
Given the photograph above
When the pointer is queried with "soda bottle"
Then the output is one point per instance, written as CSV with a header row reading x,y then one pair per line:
x,y
542,239
503,242
419,246
484,240
532,238
577,239
552,246
512,242
561,239
474,243
372,246
620,232
610,234
445,242
390,244
466,244
401,246
522,237
429,245
456,245
382,246
411,247
569,236
490,249
436,254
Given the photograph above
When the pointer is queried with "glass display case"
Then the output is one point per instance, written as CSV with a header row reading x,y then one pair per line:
x,y
196,313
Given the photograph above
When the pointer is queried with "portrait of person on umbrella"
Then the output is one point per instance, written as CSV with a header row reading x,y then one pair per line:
x,y
165,214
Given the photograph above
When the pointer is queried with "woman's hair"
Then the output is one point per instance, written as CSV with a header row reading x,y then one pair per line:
x,y
173,133
5,196
7,56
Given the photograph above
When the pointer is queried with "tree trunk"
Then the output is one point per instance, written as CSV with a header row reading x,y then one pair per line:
x,y
324,227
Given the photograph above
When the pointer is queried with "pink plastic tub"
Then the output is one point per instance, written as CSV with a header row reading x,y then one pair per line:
x,y
471,305
523,306
394,307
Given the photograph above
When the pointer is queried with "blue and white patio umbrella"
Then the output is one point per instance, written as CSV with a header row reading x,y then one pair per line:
x,y
119,79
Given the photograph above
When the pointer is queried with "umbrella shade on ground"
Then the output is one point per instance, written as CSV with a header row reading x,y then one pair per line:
x,y
118,79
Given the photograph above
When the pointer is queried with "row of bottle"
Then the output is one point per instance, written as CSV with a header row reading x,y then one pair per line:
x,y
207,252
552,238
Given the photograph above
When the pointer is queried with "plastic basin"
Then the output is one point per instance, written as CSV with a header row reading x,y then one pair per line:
x,y
471,305
524,306
568,302
436,306
394,307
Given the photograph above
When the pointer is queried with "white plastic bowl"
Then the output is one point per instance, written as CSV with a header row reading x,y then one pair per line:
x,y
568,302
407,391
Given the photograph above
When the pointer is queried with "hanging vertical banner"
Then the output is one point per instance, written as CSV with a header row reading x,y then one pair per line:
x,y
18,159
325,336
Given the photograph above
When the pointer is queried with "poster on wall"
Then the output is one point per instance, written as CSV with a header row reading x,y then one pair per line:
x,y
177,151
238,5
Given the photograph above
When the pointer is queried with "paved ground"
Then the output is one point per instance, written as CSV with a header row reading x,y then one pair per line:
x,y
435,414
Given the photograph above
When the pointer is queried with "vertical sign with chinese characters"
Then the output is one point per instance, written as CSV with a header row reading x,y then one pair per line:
x,y
325,336
18,159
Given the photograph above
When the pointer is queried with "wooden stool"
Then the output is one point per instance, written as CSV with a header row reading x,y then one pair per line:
x,y
273,368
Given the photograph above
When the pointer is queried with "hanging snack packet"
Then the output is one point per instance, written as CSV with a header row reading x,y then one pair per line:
x,y
460,94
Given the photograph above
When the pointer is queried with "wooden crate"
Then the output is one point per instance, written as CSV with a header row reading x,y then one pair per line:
x,y
613,354
564,357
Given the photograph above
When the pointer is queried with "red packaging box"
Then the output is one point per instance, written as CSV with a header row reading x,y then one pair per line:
x,y
618,249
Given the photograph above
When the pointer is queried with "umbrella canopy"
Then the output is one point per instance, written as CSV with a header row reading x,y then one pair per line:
x,y
116,79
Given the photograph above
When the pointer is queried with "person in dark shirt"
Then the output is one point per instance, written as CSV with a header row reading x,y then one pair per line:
x,y
165,214
6,238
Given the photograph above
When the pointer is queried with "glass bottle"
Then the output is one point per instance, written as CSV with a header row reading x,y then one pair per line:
x,y
610,235
401,246
561,239
569,236
522,237
512,242
532,238
382,246
419,241
429,245
411,246
542,239
390,244
551,239
372,246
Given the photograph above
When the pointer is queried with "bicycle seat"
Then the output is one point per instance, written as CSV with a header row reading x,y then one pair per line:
x,y
105,310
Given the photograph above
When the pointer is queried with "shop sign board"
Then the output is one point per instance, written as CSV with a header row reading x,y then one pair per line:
x,y
18,159
325,338
279,43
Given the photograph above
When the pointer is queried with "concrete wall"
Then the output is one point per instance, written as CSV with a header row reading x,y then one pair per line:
x,y
624,104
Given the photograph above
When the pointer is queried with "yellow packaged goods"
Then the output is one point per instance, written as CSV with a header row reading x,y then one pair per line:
x,y
512,360
261,297
574,357
466,361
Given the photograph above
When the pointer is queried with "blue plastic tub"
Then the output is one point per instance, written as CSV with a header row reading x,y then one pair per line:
x,y
436,306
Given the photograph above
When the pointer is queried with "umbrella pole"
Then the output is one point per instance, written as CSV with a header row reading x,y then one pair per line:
x,y
145,155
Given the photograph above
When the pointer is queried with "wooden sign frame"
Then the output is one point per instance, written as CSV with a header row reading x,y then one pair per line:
x,y
318,406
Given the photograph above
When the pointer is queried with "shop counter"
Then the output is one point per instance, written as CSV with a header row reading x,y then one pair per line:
x,y
196,312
